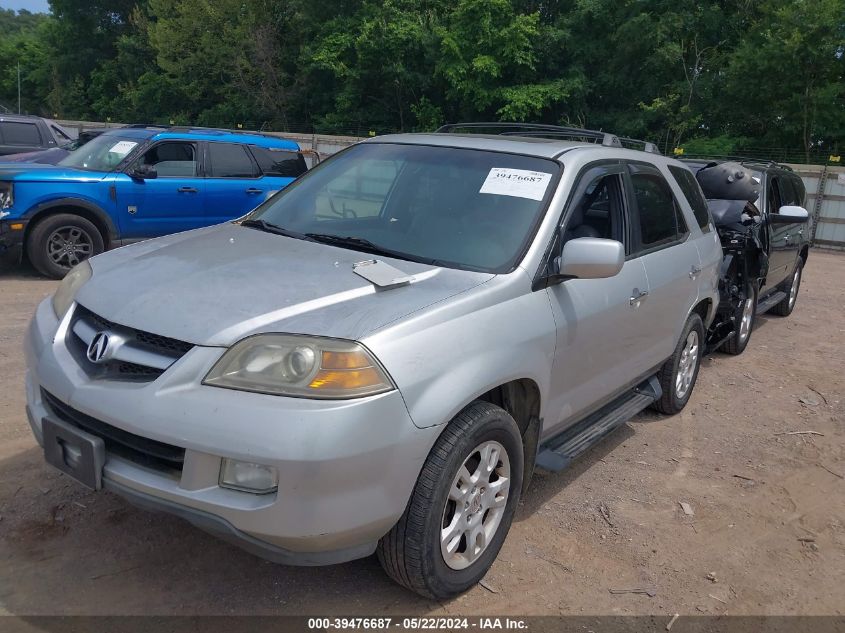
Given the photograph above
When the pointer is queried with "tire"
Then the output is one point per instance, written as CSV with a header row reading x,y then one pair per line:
x,y
785,307
411,553
745,315
686,359
59,242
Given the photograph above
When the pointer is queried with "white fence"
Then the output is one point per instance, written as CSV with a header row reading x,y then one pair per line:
x,y
826,203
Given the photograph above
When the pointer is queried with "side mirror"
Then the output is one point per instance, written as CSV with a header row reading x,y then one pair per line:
x,y
144,172
589,258
789,215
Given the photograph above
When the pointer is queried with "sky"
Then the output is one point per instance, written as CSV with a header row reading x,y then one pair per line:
x,y
36,6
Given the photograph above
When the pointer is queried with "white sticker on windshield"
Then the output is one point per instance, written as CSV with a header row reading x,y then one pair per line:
x,y
122,147
519,183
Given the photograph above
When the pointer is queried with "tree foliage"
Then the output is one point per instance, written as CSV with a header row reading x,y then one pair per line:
x,y
740,73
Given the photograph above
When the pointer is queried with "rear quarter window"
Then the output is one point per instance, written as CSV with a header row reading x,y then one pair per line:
x,y
279,162
692,192
19,133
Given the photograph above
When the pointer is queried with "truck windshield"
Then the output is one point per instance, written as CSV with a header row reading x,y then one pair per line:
x,y
100,154
461,208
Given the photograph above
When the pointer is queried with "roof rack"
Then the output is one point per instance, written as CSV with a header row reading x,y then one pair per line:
x,y
538,130
648,146
542,130
742,160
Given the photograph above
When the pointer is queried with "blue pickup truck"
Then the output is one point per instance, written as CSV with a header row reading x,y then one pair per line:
x,y
134,183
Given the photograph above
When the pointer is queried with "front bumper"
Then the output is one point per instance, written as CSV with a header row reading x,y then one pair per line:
x,y
11,240
346,468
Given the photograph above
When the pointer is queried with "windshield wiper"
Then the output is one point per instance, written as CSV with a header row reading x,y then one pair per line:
x,y
361,244
269,227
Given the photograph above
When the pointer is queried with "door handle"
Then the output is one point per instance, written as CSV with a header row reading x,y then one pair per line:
x,y
636,295
253,190
187,190
694,271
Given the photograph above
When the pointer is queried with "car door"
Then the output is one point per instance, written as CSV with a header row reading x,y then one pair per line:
x,y
660,236
598,321
234,184
170,202
783,244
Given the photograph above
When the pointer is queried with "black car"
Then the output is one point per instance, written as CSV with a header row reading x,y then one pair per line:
x,y
758,209
24,133
53,155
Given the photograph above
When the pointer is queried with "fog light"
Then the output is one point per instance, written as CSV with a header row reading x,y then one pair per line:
x,y
248,477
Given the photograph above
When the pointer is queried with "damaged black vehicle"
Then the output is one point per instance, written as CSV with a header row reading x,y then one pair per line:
x,y
758,210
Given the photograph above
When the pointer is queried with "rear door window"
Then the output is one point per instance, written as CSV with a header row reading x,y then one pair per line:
x,y
20,133
279,162
695,197
659,220
229,160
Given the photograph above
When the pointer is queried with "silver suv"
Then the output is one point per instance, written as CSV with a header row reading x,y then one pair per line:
x,y
377,358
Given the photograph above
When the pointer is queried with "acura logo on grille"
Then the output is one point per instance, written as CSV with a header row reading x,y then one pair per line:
x,y
98,347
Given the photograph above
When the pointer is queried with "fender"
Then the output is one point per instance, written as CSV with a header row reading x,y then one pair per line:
x,y
101,214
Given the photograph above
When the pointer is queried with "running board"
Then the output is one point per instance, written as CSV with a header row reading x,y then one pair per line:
x,y
770,302
558,452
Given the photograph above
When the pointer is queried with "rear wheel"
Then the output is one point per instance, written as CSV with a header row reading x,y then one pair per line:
x,y
461,508
787,305
744,318
59,242
678,374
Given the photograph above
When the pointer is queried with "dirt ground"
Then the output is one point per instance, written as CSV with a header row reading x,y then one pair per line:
x,y
767,535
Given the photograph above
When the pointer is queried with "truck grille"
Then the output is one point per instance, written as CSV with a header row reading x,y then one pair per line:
x,y
132,354
140,450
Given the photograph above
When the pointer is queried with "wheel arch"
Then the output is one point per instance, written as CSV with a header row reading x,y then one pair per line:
x,y
705,309
74,206
521,398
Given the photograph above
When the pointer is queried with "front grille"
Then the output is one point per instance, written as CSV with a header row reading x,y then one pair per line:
x,y
143,356
140,450
162,343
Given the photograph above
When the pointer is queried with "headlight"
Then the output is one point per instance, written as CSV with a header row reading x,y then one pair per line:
x,y
302,366
69,286
7,198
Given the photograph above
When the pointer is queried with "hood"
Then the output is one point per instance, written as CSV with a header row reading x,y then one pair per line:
x,y
217,285
37,172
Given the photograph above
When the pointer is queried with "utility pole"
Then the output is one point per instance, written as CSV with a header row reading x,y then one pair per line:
x,y
19,87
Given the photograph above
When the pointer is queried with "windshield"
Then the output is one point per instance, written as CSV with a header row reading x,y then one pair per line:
x,y
100,154
457,207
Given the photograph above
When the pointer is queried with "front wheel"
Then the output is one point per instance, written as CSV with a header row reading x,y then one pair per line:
x,y
678,374
744,319
461,508
59,242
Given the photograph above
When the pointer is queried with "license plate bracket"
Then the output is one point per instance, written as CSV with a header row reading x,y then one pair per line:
x,y
74,452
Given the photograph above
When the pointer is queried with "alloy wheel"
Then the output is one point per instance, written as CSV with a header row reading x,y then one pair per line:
x,y
69,245
475,505
793,289
747,319
687,365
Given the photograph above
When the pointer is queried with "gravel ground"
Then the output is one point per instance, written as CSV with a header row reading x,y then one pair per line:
x,y
766,534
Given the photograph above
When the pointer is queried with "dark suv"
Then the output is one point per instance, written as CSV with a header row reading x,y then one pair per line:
x,y
23,133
